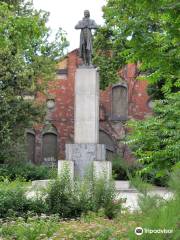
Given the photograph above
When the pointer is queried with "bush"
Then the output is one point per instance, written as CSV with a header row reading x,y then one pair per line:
x,y
121,169
29,172
14,203
70,199
12,199
157,213
64,197
60,197
104,196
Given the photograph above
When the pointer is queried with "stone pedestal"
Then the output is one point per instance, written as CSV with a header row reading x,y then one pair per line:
x,y
83,155
102,169
86,150
86,126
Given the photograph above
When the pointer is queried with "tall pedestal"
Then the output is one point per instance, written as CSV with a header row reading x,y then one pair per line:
x,y
86,150
86,127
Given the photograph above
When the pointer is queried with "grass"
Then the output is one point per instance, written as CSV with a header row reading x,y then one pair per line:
x,y
92,226
32,228
95,226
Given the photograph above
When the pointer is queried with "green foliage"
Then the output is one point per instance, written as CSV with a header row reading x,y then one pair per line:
x,y
122,170
174,180
28,172
15,203
142,186
63,197
145,32
33,228
105,58
157,213
60,197
26,55
92,226
71,200
156,140
12,199
104,196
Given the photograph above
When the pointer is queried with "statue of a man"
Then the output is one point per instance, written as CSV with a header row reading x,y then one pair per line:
x,y
86,24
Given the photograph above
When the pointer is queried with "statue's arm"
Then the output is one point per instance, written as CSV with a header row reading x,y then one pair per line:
x,y
79,25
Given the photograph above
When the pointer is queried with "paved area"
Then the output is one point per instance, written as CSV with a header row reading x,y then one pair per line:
x,y
131,194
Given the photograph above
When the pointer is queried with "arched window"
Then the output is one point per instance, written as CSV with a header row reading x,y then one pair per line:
x,y
119,102
104,138
49,145
30,138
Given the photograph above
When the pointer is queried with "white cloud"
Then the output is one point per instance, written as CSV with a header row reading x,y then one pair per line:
x,y
66,13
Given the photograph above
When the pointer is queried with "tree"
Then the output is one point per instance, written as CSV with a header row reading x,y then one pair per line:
x,y
145,32
26,55
156,140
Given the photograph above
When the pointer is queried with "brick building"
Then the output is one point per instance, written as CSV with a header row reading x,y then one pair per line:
x,y
124,100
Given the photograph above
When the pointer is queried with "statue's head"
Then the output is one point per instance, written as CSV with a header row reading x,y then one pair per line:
x,y
86,13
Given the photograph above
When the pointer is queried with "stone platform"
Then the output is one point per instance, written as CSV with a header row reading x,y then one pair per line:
x,y
83,155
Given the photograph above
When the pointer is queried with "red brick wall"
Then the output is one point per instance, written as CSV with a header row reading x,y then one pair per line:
x,y
62,116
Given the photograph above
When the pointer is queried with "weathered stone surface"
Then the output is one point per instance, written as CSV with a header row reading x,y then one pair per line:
x,y
102,169
83,156
86,124
64,165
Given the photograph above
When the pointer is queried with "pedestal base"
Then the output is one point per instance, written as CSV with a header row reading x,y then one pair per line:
x,y
83,155
64,165
102,169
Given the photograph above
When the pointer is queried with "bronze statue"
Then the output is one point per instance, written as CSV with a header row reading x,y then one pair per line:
x,y
85,50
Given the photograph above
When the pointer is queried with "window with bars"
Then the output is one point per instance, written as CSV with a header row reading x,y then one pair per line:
x,y
49,145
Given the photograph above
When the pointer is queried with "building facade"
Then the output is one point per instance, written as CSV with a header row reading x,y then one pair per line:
x,y
125,100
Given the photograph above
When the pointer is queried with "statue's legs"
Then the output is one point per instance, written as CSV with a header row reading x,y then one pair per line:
x,y
89,57
84,54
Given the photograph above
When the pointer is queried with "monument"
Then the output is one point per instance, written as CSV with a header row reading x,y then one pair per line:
x,y
85,49
86,150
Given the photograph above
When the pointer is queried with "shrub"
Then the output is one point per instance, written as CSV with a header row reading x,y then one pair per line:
x,y
60,197
64,197
29,172
104,196
161,214
121,169
13,200
70,199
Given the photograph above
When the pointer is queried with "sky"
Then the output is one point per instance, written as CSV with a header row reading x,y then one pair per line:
x,y
67,13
